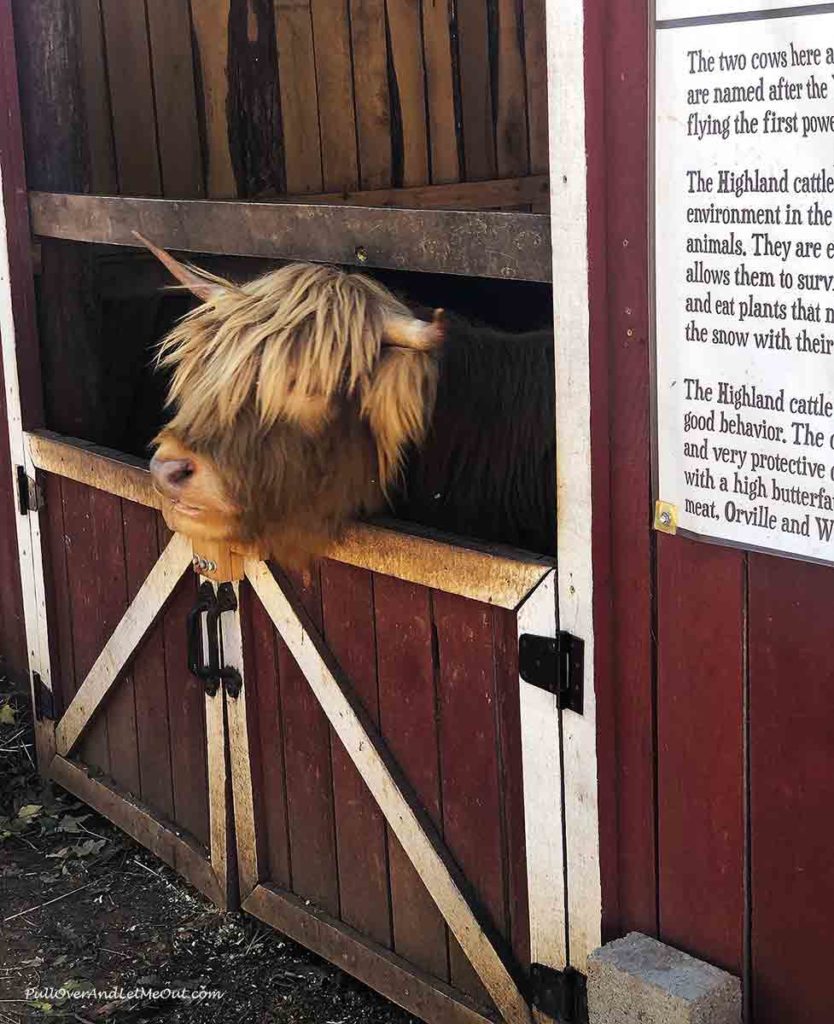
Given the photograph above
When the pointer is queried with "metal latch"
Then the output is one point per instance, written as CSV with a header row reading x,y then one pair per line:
x,y
29,494
561,995
555,664
227,602
206,665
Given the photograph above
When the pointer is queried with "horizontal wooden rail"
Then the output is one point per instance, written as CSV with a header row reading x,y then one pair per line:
x,y
384,971
460,195
177,849
503,577
513,246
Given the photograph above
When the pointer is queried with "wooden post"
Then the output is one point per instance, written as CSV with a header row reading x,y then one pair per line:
x,y
21,369
582,512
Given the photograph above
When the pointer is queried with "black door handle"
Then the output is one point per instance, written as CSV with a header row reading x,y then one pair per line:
x,y
205,667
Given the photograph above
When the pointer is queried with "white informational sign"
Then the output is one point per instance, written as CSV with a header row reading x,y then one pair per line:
x,y
744,273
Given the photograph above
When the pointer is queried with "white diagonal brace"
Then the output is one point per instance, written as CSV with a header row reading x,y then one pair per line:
x,y
365,750
134,624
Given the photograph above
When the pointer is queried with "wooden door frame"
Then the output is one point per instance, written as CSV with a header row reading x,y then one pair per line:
x,y
21,369
581,446
578,466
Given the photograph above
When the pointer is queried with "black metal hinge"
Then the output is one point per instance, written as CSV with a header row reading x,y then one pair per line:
x,y
555,664
29,494
561,995
44,701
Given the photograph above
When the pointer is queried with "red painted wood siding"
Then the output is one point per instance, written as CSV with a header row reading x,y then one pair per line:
x,y
149,736
439,675
716,718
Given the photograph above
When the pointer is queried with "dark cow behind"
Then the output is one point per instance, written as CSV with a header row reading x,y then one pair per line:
x,y
313,396
487,466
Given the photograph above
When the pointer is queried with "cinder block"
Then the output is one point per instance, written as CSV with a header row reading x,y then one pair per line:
x,y
638,980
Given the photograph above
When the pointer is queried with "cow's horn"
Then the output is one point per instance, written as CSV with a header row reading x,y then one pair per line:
x,y
202,288
405,332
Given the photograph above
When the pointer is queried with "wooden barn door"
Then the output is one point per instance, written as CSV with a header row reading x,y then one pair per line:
x,y
135,735
396,785
403,801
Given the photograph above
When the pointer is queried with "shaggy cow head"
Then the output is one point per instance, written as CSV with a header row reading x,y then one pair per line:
x,y
294,398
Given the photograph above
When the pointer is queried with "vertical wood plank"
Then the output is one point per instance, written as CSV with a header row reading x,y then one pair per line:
x,y
535,61
574,34
273,802
210,20
107,578
628,827
540,722
21,382
791,789
440,90
408,724
186,712
82,573
370,84
348,618
147,671
96,97
476,90
308,768
254,109
511,106
131,97
334,80
700,629
299,99
469,761
511,787
12,625
409,72
172,56
49,84
245,751
59,602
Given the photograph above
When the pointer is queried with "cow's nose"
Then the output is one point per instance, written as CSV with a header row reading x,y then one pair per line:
x,y
170,474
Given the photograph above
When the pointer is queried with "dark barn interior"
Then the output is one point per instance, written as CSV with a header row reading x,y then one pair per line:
x,y
365,103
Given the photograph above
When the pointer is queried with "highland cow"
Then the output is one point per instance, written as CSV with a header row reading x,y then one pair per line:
x,y
312,397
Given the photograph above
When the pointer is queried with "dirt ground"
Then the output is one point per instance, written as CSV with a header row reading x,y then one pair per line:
x,y
99,930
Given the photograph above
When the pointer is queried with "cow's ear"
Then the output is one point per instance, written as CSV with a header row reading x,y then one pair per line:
x,y
405,332
202,287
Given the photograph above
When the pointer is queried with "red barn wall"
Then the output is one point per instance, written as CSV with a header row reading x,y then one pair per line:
x,y
716,712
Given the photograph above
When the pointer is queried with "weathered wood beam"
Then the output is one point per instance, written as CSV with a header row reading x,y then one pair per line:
x,y
499,576
463,195
511,246
179,852
385,972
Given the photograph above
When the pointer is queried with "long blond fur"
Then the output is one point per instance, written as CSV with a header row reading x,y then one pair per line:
x,y
289,346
